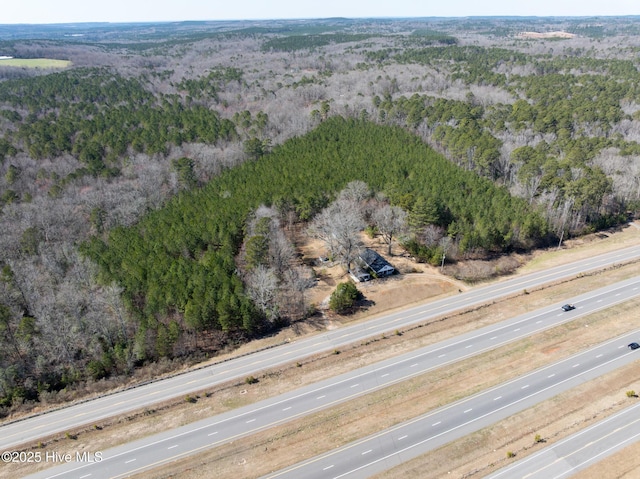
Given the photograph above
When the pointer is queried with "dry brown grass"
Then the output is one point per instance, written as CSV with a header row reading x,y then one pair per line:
x,y
486,451
284,445
175,413
624,464
348,421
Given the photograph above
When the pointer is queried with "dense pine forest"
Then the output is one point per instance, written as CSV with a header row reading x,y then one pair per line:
x,y
180,259
149,191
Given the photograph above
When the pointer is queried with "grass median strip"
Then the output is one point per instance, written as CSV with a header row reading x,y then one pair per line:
x,y
514,438
284,445
207,403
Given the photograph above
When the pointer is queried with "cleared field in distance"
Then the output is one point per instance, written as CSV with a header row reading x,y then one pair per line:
x,y
34,63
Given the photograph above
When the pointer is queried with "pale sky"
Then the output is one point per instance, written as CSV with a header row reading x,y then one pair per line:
x,y
63,11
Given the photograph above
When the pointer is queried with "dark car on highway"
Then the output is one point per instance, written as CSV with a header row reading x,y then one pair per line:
x,y
568,307
633,346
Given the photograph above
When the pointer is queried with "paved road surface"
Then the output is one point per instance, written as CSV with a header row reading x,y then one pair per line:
x,y
579,451
220,429
34,428
399,444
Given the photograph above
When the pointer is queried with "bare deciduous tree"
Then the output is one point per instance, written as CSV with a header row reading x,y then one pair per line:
x,y
281,251
295,282
391,221
431,234
339,226
445,243
355,191
262,284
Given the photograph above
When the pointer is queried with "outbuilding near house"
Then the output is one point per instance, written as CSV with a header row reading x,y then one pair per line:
x,y
359,275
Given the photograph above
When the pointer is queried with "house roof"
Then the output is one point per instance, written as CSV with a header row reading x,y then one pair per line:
x,y
374,261
359,274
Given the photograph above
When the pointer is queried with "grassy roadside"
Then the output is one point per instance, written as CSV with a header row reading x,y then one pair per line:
x,y
375,408
624,464
514,438
285,445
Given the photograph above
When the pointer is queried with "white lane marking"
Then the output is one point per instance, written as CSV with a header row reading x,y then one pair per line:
x,y
621,346
367,452
130,460
494,337
472,420
403,437
250,420
328,467
86,475
599,355
468,410
436,423
538,322
413,365
599,301
499,397
286,409
517,329
605,452
575,365
323,396
384,375
213,433
470,346
618,294
525,386
551,375
442,356
171,447
355,385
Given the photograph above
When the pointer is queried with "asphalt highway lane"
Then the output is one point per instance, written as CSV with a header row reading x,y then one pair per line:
x,y
235,424
389,448
91,411
577,452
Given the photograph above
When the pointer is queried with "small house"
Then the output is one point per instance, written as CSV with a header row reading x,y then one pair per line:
x,y
370,260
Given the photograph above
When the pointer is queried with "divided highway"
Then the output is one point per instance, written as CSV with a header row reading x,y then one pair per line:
x,y
34,428
579,451
213,431
399,444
